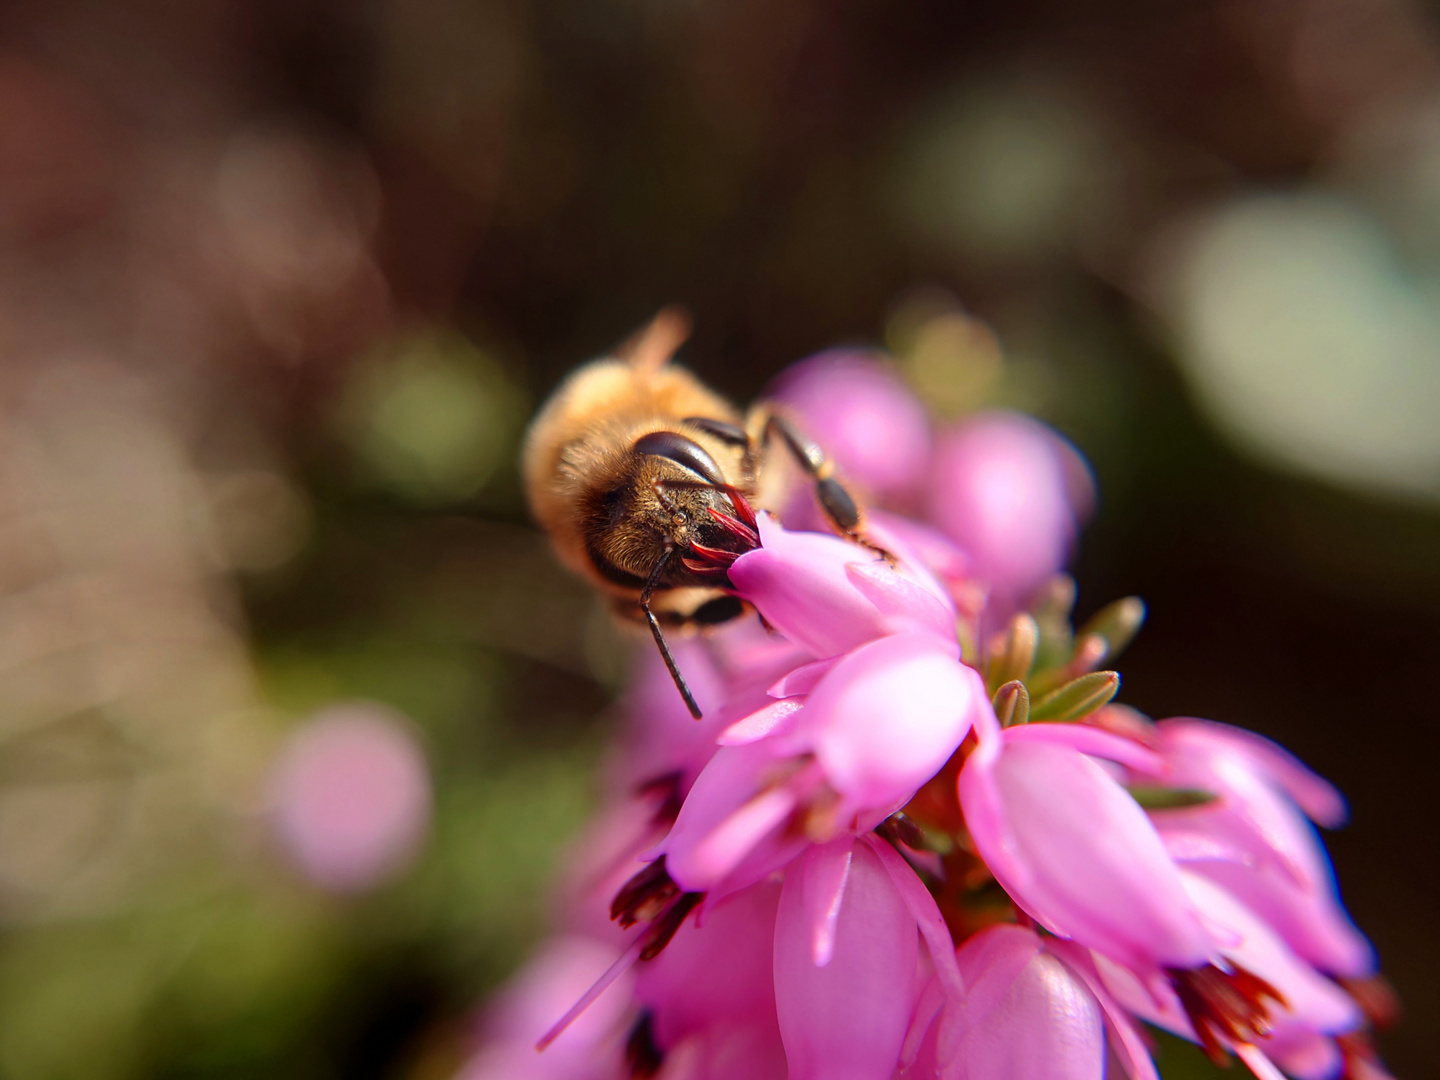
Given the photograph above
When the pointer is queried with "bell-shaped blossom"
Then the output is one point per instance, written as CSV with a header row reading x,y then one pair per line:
x,y
1024,1013
738,813
845,1019
1301,1008
1012,493
928,698
829,595
732,826
716,973
350,793
1255,839
856,407
1073,848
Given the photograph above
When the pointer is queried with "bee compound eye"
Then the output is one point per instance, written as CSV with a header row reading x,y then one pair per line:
x,y
686,453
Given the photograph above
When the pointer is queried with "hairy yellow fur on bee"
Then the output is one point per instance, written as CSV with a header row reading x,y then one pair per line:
x,y
582,440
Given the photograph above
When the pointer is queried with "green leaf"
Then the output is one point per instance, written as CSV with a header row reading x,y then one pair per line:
x,y
1077,698
1117,623
1163,798
1016,653
1012,704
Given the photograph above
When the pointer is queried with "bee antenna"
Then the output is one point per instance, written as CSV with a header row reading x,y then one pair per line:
x,y
651,347
660,642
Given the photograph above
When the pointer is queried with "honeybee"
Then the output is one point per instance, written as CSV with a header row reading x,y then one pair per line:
x,y
646,482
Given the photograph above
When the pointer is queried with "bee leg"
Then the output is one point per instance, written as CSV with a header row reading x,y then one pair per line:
x,y
659,637
839,505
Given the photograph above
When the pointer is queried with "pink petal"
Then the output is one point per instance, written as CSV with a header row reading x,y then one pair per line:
x,y
847,1020
718,973
1310,998
1305,1055
1256,1061
727,1053
932,1000
798,582
926,699
1320,799
772,719
705,844
919,545
926,913
1188,847
1089,740
1077,852
1126,1039
801,680
1026,1015
1311,920
724,848
907,607
1001,486
826,868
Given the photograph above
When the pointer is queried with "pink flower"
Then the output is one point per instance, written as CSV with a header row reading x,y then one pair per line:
x,y
1025,1014
1255,840
847,937
1296,1010
861,412
1073,848
736,817
828,595
716,971
351,796
1011,492
845,1019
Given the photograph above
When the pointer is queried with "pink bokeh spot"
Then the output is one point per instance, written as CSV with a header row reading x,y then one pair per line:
x,y
1012,493
350,793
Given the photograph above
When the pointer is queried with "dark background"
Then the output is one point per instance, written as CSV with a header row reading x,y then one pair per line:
x,y
268,223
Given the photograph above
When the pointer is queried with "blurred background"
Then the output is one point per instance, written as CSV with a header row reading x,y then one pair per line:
x,y
281,282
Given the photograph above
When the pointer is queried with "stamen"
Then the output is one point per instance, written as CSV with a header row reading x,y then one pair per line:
x,y
1224,1006
665,927
614,971
644,896
666,790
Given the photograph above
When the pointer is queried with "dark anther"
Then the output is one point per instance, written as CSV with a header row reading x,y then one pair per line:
x,y
641,1053
1377,999
644,896
682,451
666,791
664,928
1228,1004
900,828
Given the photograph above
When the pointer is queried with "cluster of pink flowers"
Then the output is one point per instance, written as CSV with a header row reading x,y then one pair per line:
x,y
914,837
